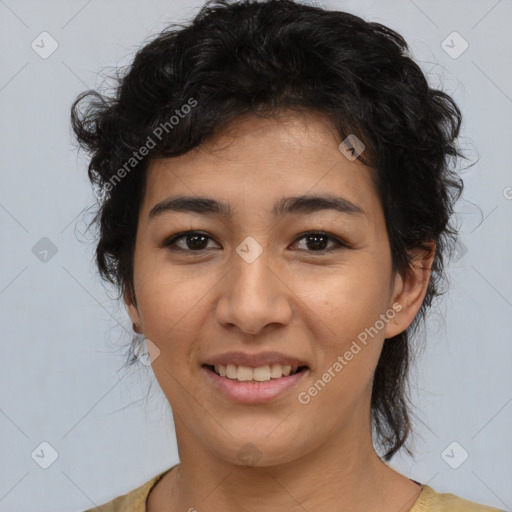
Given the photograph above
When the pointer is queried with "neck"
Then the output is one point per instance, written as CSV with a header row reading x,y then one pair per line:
x,y
342,475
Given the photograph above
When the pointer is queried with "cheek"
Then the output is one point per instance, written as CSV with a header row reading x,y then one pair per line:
x,y
168,292
347,323
171,306
348,348
350,299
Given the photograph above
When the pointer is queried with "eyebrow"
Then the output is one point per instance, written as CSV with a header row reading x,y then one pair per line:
x,y
303,204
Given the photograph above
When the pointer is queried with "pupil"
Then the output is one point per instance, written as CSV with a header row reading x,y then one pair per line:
x,y
194,244
316,244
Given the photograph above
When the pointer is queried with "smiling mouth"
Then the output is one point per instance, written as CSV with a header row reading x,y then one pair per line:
x,y
263,373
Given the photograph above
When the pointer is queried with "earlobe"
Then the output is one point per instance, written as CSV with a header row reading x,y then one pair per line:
x,y
409,290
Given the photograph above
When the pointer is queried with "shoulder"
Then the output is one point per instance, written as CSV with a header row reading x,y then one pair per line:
x,y
134,501
431,501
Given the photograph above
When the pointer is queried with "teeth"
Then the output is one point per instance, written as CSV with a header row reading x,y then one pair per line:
x,y
260,374
244,373
231,371
286,370
276,370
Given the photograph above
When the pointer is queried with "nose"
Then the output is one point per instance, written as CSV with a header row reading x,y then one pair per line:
x,y
253,297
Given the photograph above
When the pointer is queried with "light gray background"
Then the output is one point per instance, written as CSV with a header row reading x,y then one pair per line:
x,y
62,335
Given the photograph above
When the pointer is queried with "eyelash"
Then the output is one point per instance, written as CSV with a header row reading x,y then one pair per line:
x,y
169,243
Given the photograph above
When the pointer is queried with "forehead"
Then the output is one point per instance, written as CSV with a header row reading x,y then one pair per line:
x,y
254,161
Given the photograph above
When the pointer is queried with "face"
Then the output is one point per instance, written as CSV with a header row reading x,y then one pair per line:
x,y
239,285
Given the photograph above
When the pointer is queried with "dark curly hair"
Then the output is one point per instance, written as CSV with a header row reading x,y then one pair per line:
x,y
262,58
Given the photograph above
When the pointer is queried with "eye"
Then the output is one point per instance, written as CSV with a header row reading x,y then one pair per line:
x,y
194,241
316,241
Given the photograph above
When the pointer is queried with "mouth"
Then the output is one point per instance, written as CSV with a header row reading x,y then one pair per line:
x,y
246,385
263,373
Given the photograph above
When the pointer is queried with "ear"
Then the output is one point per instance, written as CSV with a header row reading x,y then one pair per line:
x,y
131,307
409,291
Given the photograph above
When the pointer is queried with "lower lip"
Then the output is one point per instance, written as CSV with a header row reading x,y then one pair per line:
x,y
254,392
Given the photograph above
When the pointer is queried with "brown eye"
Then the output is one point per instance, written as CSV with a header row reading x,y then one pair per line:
x,y
193,241
317,241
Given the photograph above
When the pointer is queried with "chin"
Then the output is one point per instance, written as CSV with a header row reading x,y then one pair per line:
x,y
258,450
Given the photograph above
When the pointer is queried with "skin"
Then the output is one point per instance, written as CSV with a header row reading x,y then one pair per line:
x,y
291,299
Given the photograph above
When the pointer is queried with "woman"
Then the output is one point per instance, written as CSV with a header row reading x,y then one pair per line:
x,y
276,193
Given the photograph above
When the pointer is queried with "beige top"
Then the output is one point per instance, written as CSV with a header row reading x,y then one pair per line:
x,y
428,501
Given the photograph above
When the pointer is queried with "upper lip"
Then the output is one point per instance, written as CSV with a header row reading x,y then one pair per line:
x,y
255,360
